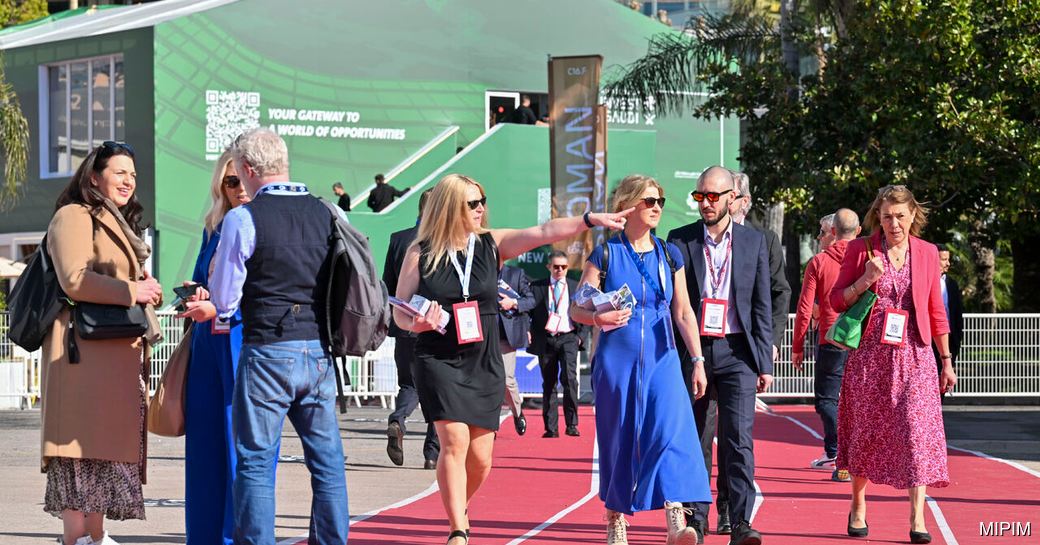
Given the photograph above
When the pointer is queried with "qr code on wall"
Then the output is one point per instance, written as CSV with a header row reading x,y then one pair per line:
x,y
229,114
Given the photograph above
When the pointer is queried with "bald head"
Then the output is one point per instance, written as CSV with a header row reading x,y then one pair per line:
x,y
846,224
716,176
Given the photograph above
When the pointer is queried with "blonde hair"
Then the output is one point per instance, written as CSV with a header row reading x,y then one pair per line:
x,y
896,194
631,189
263,149
445,219
219,199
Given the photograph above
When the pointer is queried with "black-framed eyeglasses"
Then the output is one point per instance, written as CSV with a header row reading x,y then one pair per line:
x,y
651,201
479,202
231,182
558,267
112,146
712,196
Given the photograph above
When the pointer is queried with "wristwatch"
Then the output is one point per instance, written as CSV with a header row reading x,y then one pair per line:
x,y
695,359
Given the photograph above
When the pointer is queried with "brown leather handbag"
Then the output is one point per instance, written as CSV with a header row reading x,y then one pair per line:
x,y
166,409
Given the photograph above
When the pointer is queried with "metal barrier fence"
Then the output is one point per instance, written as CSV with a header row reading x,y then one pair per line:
x,y
1000,357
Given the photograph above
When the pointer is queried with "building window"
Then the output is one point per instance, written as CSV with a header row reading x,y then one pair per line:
x,y
84,107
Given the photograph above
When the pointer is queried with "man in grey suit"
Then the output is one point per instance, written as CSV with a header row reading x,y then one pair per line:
x,y
729,291
514,328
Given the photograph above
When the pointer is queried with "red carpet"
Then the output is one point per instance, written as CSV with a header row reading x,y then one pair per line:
x,y
535,480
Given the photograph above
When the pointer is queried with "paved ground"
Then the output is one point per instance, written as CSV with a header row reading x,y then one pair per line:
x,y
1012,433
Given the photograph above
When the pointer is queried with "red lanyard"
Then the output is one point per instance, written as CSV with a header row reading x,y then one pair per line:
x,y
716,280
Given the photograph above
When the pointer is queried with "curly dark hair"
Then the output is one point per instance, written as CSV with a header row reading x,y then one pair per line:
x,y
81,191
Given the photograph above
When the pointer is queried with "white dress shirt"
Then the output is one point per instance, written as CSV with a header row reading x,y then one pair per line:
x,y
719,257
565,305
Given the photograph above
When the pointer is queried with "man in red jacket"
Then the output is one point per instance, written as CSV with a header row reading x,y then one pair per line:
x,y
820,275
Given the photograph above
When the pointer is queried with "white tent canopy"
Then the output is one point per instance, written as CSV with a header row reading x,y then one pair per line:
x,y
10,269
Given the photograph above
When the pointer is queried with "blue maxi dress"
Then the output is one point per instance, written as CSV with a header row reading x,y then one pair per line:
x,y
648,443
209,447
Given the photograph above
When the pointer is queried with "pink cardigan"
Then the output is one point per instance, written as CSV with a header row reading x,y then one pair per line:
x,y
924,278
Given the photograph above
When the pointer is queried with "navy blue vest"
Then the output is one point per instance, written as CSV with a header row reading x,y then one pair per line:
x,y
283,298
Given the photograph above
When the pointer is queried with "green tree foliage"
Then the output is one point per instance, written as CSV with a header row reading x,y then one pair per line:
x,y
16,12
940,95
14,128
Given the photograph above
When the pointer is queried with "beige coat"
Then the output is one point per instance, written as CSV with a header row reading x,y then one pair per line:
x,y
92,409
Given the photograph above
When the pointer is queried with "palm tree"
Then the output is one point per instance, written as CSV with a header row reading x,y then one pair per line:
x,y
14,140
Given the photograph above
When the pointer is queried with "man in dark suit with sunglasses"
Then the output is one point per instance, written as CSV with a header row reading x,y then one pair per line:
x,y
556,339
728,282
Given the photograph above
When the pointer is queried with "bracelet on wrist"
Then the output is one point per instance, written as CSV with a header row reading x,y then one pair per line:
x,y
946,356
696,359
585,218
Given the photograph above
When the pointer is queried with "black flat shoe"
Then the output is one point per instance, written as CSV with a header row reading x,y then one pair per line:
x,y
857,532
520,423
920,537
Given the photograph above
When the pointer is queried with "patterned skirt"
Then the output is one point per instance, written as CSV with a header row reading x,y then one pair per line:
x,y
97,486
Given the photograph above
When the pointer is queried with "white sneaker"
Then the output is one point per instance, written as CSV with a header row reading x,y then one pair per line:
x,y
85,540
105,540
823,462
617,528
678,532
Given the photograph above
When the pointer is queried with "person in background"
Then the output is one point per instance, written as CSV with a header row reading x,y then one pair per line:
x,y
404,357
93,406
515,324
454,264
209,453
285,368
890,422
824,238
820,275
383,194
954,303
344,198
523,114
644,424
556,339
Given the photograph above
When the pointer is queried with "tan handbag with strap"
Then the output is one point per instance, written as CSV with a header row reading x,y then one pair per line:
x,y
166,409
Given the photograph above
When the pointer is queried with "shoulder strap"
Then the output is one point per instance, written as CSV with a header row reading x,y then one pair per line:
x,y
606,264
667,254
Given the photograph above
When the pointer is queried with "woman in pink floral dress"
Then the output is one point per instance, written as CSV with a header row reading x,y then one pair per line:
x,y
890,426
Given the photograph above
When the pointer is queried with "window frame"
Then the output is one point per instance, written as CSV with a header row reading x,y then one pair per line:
x,y
47,170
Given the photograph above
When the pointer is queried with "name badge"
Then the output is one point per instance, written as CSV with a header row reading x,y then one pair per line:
x,y
220,326
894,332
713,317
552,325
467,322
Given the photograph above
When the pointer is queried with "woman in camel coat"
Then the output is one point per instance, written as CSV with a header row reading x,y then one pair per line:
x,y
93,435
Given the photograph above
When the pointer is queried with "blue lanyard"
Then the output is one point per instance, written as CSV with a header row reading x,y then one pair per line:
x,y
288,188
658,287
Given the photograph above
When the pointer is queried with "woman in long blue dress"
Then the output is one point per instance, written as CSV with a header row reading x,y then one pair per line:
x,y
648,447
209,458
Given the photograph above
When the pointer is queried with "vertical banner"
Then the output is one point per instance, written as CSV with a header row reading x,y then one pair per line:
x,y
578,165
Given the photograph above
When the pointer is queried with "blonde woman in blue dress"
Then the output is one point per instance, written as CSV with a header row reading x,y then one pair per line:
x,y
649,454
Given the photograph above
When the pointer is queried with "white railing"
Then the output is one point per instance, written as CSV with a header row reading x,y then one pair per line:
x,y
1000,357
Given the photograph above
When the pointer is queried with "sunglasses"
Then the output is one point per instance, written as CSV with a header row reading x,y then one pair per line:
x,y
712,196
231,182
558,267
474,204
112,146
651,201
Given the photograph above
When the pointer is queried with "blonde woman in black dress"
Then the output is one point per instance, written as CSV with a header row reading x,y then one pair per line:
x,y
454,263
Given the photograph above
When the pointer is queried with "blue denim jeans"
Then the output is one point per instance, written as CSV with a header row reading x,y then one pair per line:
x,y
294,379
829,368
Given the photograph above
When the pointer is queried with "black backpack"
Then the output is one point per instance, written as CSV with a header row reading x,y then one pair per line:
x,y
356,302
35,301
606,261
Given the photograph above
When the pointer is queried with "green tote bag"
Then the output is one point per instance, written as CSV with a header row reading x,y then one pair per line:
x,y
847,331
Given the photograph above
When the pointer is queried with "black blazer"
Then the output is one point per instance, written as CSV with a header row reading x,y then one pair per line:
x,y
749,285
399,243
953,294
515,324
540,314
779,288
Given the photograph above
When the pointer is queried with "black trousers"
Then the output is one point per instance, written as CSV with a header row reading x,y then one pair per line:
x,y
734,381
408,397
559,362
